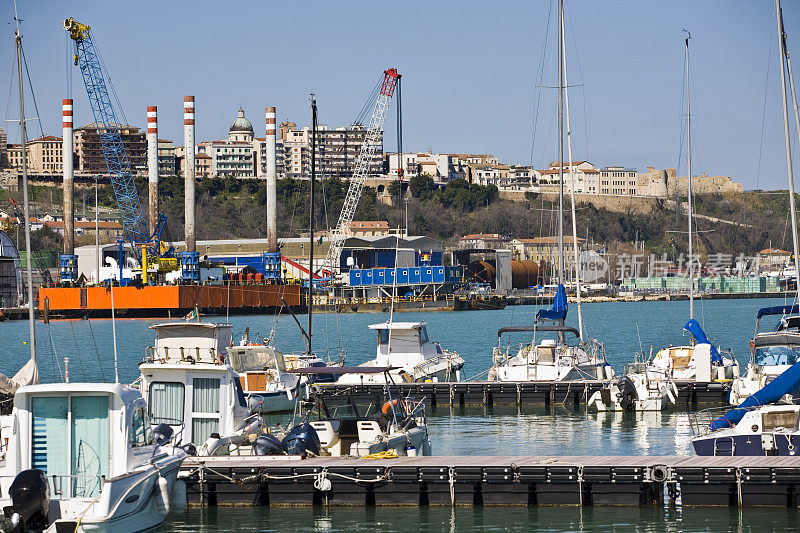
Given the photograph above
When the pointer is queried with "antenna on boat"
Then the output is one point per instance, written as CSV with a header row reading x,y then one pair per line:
x,y
689,174
786,63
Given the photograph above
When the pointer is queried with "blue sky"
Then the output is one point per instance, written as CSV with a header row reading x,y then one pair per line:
x,y
470,71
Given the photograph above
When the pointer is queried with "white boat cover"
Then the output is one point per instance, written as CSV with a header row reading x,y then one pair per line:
x,y
27,375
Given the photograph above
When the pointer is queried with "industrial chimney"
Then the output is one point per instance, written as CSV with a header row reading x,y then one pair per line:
x,y
272,184
69,204
188,144
152,165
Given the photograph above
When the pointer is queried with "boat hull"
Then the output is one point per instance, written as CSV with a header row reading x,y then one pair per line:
x,y
780,444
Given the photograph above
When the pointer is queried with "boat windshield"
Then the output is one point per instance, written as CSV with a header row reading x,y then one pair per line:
x,y
251,359
777,355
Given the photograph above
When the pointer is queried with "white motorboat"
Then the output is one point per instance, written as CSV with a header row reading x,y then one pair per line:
x,y
83,457
772,352
398,427
415,358
635,391
191,387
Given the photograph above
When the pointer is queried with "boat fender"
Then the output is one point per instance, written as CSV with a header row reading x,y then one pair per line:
x,y
411,451
179,496
670,395
162,496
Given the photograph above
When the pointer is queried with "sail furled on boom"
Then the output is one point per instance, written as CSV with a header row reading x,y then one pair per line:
x,y
786,383
693,327
559,309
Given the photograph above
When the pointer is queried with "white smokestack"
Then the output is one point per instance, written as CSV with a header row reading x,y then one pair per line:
x,y
152,165
188,143
69,204
272,184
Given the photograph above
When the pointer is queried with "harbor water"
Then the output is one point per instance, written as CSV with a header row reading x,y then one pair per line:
x,y
624,328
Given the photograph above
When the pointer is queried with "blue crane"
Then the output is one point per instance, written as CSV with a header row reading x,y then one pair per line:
x,y
116,157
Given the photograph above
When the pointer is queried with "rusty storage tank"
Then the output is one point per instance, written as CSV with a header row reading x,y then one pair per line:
x,y
524,274
481,272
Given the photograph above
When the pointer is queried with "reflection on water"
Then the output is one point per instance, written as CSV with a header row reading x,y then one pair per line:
x,y
556,430
429,519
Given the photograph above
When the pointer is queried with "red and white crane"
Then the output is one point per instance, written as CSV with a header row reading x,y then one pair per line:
x,y
371,142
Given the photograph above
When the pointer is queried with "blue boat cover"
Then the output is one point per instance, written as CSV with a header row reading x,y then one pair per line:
x,y
778,310
559,310
786,383
700,336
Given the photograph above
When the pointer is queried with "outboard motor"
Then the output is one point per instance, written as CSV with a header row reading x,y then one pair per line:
x,y
162,433
302,440
30,502
190,449
627,395
267,444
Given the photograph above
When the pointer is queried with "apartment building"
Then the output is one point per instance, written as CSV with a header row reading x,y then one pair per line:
x,y
619,181
166,158
89,153
3,148
44,155
441,167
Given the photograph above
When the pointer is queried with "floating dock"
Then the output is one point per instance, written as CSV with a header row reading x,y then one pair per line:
x,y
493,393
525,481
166,301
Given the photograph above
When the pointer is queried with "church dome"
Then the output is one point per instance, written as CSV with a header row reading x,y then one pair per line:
x,y
241,124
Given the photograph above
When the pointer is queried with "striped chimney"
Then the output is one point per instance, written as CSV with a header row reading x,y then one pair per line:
x,y
272,184
152,165
189,175
68,173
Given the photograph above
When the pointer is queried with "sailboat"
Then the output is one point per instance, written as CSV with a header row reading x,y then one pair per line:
x,y
775,352
684,362
554,359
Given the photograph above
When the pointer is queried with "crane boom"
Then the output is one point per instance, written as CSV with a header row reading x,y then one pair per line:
x,y
367,152
116,157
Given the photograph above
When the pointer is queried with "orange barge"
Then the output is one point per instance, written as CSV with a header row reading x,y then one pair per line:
x,y
167,300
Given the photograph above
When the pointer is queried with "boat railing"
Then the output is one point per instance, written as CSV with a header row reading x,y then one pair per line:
x,y
447,357
701,421
188,355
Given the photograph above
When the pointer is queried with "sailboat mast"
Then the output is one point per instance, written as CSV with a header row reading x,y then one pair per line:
x,y
572,197
782,44
27,223
311,217
689,182
560,143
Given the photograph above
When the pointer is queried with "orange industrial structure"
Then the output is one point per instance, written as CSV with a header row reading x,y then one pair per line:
x,y
171,300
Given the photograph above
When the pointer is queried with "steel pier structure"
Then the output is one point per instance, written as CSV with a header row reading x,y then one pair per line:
x,y
525,481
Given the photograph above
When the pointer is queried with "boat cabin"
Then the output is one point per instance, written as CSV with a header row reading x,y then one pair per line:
x,y
78,434
776,350
406,342
188,382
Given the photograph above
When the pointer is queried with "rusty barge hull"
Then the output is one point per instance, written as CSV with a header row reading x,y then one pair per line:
x,y
167,301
